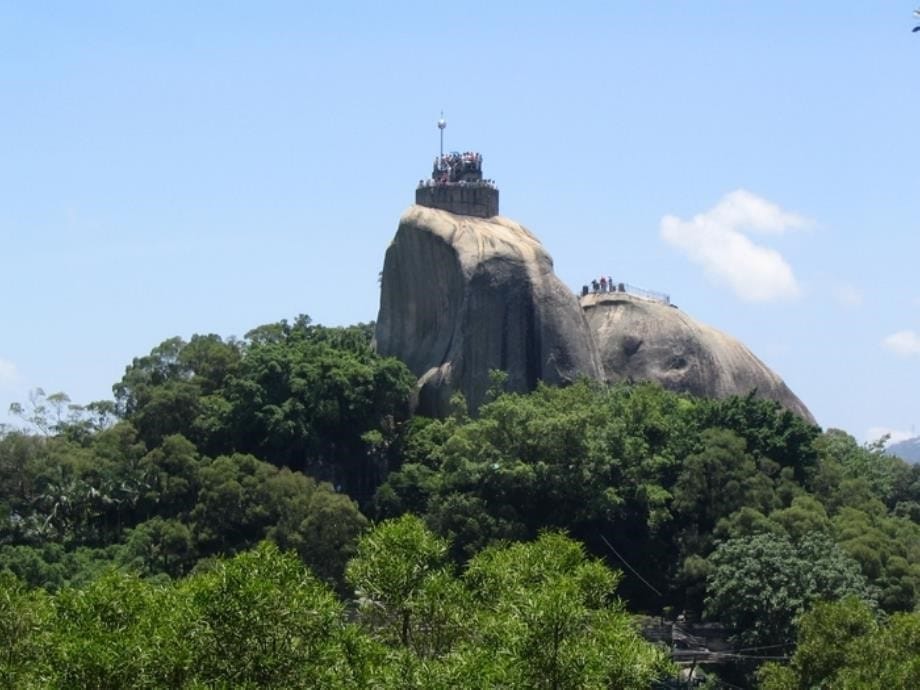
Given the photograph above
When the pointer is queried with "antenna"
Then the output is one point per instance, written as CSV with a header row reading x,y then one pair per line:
x,y
442,123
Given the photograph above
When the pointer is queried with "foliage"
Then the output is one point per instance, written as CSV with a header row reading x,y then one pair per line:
x,y
842,645
213,446
761,584
258,620
714,483
769,431
643,468
310,398
397,573
118,632
551,608
74,510
261,619
24,619
538,614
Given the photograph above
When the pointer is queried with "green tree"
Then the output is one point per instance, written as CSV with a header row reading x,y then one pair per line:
x,y
841,645
160,546
538,615
550,610
806,515
770,432
398,567
588,459
243,500
24,616
889,657
887,549
257,620
170,478
310,398
866,462
760,585
119,632
262,620
828,638
718,480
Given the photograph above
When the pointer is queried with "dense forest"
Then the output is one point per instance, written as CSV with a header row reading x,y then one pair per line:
x,y
266,511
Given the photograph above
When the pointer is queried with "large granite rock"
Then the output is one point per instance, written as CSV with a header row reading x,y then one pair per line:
x,y
644,340
462,295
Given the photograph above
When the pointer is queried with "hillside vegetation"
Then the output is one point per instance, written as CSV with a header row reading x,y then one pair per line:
x,y
219,514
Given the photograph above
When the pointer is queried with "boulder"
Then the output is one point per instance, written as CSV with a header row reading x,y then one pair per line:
x,y
644,340
461,296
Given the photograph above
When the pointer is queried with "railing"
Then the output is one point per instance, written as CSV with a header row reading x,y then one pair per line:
x,y
645,294
627,289
441,183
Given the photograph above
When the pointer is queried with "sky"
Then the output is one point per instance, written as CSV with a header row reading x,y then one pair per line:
x,y
174,168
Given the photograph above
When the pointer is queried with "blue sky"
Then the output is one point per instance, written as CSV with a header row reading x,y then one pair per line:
x,y
174,168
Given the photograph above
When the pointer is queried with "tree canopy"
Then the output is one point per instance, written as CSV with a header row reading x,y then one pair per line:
x,y
261,619
506,524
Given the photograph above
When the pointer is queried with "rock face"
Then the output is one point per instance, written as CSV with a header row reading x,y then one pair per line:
x,y
644,340
462,295
908,451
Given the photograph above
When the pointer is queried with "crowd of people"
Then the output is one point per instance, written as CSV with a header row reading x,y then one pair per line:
x,y
604,284
457,168
466,161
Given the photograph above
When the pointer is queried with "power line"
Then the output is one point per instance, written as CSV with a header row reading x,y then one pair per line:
x,y
766,646
750,656
634,571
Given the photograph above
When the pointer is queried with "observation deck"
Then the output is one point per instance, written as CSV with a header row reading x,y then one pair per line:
x,y
456,185
621,292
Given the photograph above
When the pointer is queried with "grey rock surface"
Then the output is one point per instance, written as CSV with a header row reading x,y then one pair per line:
x,y
644,340
461,296
908,450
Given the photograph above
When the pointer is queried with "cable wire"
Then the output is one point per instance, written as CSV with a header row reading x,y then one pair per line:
x,y
634,571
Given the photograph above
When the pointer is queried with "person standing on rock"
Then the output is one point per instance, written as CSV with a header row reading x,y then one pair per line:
x,y
603,284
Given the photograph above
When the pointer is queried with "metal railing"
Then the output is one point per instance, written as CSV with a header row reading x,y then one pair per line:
x,y
645,294
632,290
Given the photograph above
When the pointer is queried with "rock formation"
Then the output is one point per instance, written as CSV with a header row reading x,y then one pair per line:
x,y
908,450
645,340
461,296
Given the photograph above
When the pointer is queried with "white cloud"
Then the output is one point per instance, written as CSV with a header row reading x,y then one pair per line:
x,y
741,209
716,241
896,435
8,374
904,343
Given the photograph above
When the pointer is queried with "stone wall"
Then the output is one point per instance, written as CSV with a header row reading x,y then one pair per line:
x,y
481,202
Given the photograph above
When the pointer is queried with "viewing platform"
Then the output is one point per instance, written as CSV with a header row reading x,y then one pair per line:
x,y
620,292
456,185
481,202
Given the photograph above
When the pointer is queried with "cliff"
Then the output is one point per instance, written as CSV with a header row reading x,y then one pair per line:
x,y
462,295
644,340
